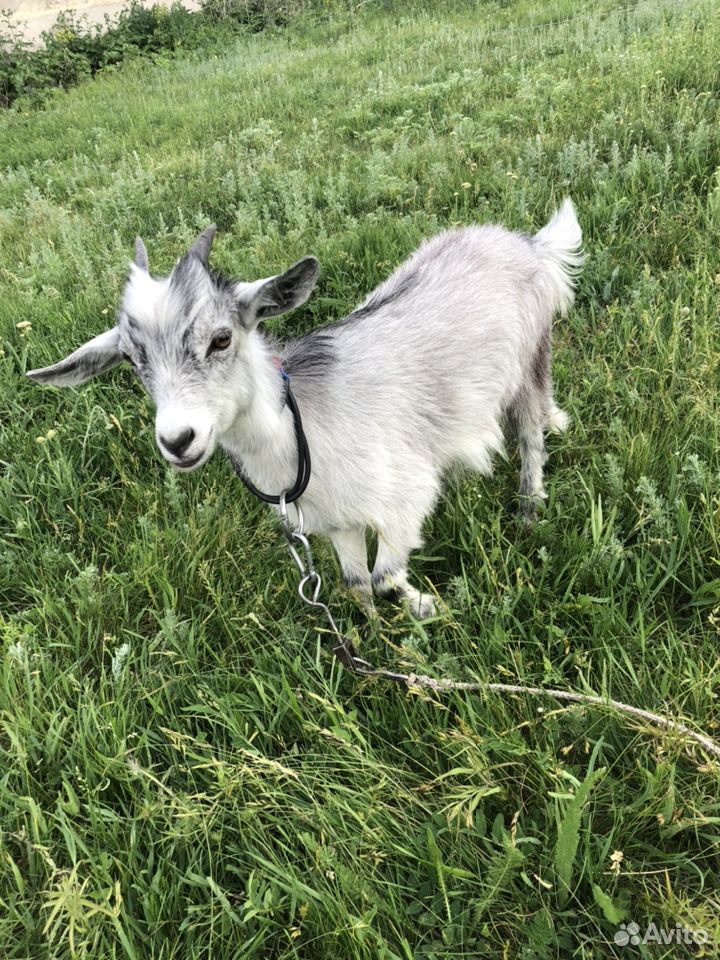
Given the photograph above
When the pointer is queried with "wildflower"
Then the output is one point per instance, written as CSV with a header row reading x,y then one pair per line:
x,y
17,652
616,858
118,660
39,439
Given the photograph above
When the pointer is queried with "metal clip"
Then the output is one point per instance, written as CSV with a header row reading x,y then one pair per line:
x,y
346,653
311,584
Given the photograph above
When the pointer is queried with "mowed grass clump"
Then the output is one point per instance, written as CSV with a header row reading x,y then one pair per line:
x,y
185,771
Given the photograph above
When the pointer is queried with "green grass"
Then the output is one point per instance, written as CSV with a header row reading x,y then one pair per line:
x,y
185,772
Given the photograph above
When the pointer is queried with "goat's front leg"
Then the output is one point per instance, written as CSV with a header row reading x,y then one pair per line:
x,y
390,577
351,549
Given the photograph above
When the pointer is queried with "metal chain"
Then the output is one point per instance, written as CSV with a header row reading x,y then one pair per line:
x,y
310,580
309,589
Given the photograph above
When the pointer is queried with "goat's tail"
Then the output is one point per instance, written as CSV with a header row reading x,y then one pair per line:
x,y
559,244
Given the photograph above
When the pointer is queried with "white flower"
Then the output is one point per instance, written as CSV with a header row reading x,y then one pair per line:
x,y
118,660
17,652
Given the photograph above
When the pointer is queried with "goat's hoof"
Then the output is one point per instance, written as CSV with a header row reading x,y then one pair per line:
x,y
531,510
421,605
364,600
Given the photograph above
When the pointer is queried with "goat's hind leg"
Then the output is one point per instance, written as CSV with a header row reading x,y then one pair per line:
x,y
533,412
530,415
351,549
533,456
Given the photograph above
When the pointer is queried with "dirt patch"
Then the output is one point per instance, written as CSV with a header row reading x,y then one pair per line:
x,y
36,16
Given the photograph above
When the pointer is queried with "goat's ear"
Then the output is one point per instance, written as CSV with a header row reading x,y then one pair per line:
x,y
141,257
96,356
275,295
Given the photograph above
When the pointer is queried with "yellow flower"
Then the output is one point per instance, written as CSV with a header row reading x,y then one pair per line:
x,y
64,35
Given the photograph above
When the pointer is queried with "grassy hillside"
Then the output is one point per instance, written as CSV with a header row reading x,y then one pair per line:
x,y
185,773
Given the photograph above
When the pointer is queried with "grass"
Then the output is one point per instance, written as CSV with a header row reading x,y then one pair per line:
x,y
186,774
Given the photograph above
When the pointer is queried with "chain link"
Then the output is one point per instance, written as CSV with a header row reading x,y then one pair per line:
x,y
310,586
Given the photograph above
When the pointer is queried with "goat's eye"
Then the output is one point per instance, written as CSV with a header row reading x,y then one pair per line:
x,y
221,341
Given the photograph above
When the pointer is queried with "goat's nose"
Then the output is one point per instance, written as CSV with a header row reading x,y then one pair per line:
x,y
178,445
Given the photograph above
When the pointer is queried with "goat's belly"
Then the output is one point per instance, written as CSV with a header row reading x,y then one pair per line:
x,y
476,445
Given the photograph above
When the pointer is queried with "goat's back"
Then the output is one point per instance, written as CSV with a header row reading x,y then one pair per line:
x,y
470,305
420,374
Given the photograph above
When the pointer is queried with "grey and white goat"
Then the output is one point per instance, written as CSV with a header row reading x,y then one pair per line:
x,y
421,376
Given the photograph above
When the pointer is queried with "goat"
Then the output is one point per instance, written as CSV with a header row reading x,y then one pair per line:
x,y
424,374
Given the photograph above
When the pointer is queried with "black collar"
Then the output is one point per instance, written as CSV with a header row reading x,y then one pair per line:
x,y
303,472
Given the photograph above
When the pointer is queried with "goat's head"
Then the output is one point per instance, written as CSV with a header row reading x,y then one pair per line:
x,y
190,338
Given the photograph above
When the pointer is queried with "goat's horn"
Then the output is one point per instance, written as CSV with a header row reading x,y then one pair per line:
x,y
141,257
201,247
